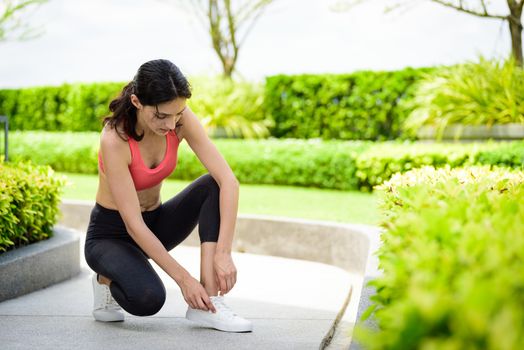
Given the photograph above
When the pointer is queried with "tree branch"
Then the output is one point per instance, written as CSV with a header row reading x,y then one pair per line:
x,y
214,29
484,7
225,25
461,8
9,23
231,25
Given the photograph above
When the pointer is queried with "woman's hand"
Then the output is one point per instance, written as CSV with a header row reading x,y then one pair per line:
x,y
195,295
225,272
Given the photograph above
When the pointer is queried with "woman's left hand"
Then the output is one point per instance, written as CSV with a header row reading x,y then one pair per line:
x,y
225,272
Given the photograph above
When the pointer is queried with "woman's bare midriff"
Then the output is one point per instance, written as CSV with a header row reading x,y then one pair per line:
x,y
149,199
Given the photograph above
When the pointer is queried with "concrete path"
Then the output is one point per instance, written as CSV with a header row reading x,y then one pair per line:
x,y
292,304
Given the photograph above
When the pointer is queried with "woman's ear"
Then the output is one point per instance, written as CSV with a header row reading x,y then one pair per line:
x,y
135,101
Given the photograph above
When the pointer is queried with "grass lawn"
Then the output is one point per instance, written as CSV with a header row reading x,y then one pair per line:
x,y
287,201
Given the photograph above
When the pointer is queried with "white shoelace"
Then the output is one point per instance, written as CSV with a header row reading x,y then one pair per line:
x,y
223,308
110,301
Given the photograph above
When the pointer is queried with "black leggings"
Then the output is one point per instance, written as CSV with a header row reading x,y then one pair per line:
x,y
110,251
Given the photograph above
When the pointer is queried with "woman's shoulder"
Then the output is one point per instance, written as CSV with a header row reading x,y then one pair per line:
x,y
114,133
112,138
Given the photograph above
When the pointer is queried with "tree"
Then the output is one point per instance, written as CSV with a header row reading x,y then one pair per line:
x,y
480,8
12,27
228,25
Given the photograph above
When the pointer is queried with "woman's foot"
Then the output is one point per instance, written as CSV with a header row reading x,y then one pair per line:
x,y
224,319
105,308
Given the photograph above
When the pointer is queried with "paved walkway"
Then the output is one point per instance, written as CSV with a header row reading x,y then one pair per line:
x,y
292,304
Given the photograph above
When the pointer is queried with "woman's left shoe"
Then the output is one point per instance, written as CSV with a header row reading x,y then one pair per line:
x,y
224,319
105,308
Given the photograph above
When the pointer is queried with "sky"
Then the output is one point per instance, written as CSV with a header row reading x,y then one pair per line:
x,y
107,40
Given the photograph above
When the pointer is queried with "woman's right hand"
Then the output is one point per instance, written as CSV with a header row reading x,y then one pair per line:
x,y
195,295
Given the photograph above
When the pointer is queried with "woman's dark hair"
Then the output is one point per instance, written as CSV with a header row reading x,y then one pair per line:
x,y
156,82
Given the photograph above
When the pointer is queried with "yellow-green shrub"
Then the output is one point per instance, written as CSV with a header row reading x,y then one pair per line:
x,y
29,199
474,93
452,260
237,107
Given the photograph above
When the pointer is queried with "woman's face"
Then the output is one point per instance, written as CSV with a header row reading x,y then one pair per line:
x,y
161,118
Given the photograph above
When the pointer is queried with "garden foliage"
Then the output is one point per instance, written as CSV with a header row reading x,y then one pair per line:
x,y
236,107
71,107
342,165
473,93
452,260
365,105
29,199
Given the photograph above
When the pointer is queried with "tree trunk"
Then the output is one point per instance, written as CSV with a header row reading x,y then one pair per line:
x,y
515,28
228,67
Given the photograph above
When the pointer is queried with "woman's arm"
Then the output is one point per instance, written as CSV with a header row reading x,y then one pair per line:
x,y
116,158
220,170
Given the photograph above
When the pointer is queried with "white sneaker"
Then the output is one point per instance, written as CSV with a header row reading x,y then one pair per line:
x,y
224,319
105,308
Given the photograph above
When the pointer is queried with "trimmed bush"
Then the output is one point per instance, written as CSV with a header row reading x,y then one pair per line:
x,y
508,154
452,260
365,105
236,107
29,199
74,152
379,162
69,107
309,163
360,106
342,165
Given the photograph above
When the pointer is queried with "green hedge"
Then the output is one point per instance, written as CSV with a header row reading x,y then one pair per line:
x,y
379,162
366,105
81,107
507,154
452,260
74,107
74,152
341,165
29,199
327,164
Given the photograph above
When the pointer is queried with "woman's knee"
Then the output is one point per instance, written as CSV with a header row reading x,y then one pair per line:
x,y
145,301
210,182
151,301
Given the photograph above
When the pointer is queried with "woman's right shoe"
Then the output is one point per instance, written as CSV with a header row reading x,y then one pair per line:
x,y
105,308
224,319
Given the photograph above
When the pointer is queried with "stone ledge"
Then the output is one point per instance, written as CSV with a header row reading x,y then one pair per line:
x,y
348,246
513,131
39,265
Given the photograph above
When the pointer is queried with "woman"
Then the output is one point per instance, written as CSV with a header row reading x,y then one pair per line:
x,y
129,224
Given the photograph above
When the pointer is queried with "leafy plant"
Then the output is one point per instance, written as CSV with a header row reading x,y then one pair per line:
x,y
364,105
237,107
452,259
29,199
475,93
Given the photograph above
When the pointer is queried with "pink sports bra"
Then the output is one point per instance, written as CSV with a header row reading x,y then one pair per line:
x,y
144,177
